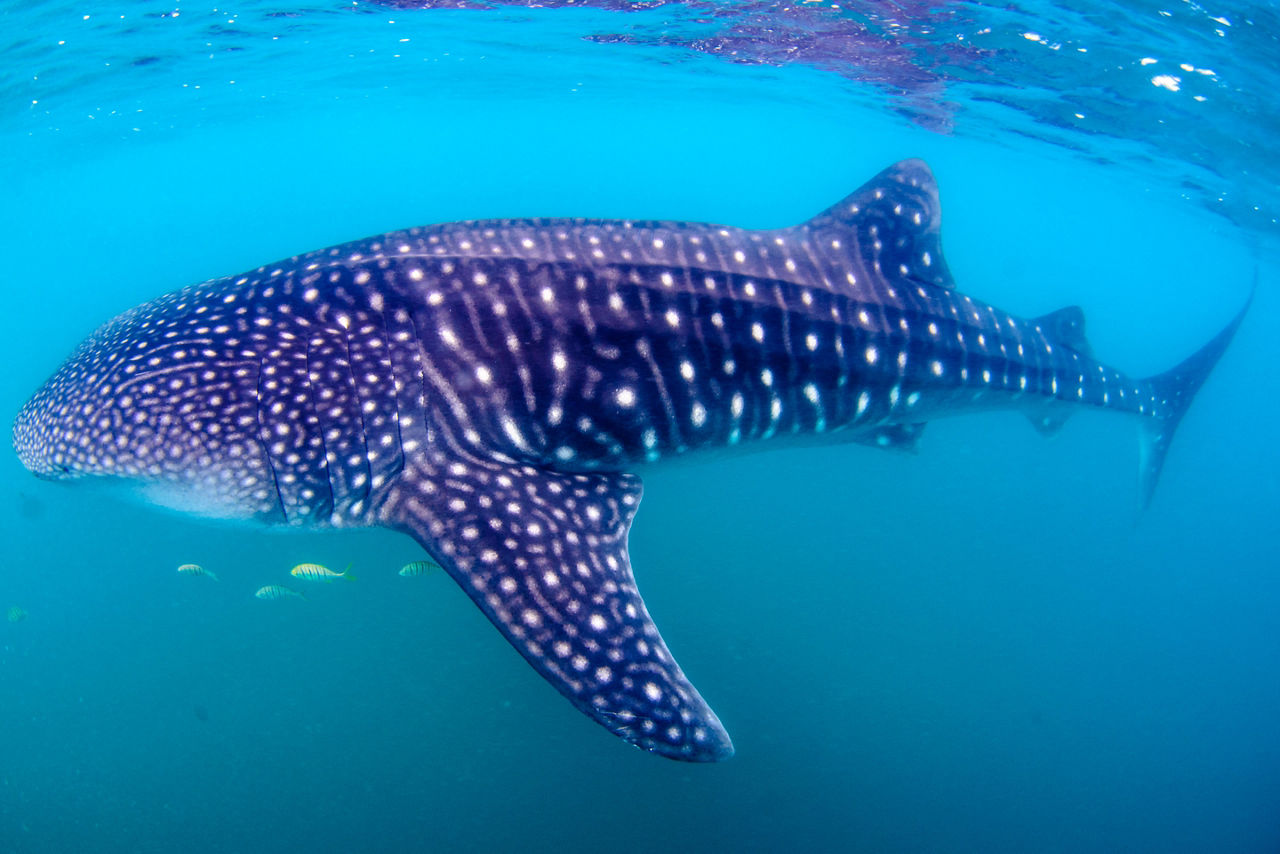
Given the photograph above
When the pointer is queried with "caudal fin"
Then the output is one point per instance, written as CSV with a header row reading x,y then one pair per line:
x,y
1174,390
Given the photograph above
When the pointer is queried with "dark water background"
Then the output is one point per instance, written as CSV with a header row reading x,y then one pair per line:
x,y
983,647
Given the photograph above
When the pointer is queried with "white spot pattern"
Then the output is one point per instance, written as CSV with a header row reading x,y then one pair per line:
x,y
468,369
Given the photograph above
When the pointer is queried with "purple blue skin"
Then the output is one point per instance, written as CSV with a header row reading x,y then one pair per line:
x,y
493,388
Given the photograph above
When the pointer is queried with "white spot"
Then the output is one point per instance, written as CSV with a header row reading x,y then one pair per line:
x,y
686,370
652,691
757,332
673,319
698,415
872,355
626,397
513,433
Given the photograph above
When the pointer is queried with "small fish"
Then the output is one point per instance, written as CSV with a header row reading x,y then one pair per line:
x,y
276,591
316,572
196,569
17,614
419,567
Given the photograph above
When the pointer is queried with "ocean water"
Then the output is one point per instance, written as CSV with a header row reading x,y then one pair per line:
x,y
984,646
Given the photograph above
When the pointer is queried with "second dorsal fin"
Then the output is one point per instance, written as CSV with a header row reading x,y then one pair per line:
x,y
1066,327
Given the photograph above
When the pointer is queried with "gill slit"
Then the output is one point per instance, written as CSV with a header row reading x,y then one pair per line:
x,y
264,437
364,434
395,391
324,447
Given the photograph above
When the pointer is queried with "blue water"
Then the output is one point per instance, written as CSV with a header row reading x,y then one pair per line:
x,y
982,647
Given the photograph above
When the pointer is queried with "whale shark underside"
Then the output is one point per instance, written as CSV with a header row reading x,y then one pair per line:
x,y
491,389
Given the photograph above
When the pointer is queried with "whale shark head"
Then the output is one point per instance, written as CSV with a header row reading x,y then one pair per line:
x,y
132,406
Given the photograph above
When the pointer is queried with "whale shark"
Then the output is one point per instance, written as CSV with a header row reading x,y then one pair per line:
x,y
492,389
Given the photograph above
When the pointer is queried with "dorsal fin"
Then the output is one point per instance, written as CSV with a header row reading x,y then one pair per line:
x,y
1066,327
892,224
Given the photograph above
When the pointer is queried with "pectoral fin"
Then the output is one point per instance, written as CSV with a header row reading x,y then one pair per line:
x,y
544,556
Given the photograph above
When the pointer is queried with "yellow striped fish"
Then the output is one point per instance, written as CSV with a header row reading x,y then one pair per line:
x,y
277,591
316,572
419,567
195,569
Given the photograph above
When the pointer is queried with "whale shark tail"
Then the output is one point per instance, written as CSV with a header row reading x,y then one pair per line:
x,y
1174,390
